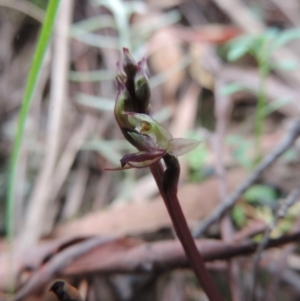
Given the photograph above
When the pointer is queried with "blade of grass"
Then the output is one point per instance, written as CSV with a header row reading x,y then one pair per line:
x,y
35,69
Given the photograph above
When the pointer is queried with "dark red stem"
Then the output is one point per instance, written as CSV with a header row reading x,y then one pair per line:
x,y
167,182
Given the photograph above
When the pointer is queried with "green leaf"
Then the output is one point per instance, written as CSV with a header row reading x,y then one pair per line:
x,y
238,215
263,45
287,65
237,52
285,37
239,47
257,193
32,78
269,35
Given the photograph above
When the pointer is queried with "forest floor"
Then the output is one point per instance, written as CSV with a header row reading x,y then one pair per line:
x,y
226,73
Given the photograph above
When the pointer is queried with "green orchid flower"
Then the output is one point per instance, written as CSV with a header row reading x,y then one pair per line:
x,y
132,114
155,138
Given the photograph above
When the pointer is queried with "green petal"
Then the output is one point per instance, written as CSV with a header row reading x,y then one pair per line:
x,y
180,146
155,130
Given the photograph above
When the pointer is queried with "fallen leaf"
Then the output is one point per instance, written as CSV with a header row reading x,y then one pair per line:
x,y
197,200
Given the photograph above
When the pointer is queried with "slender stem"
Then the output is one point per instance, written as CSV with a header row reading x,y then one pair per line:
x,y
167,183
167,180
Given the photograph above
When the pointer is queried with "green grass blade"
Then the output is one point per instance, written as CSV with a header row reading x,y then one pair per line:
x,y
36,66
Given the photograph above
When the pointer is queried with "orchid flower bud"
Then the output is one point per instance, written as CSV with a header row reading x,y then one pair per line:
x,y
142,88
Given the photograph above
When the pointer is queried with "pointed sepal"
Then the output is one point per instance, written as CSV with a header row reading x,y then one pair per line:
x,y
180,146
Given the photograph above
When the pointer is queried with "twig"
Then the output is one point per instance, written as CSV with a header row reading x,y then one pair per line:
x,y
169,254
290,200
287,141
148,257
60,261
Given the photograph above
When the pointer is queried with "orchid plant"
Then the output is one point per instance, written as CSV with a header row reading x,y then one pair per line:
x,y
154,142
132,114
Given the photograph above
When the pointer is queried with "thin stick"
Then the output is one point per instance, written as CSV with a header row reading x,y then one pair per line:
x,y
162,256
282,146
60,261
147,257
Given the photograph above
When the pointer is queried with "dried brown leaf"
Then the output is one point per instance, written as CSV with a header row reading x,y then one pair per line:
x,y
197,201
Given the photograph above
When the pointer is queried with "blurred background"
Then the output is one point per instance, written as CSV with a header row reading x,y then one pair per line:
x,y
225,72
